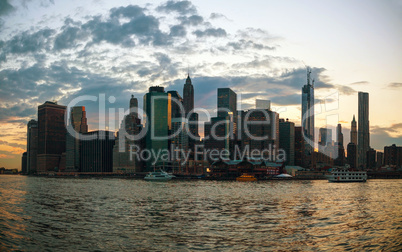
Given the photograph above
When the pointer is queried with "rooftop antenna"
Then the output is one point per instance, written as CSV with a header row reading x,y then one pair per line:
x,y
313,83
308,75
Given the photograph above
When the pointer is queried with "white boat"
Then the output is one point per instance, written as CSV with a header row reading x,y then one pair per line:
x,y
159,176
345,175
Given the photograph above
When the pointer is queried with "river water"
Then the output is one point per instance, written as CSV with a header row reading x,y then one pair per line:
x,y
113,214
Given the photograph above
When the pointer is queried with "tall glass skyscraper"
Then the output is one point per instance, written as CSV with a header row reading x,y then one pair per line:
x,y
363,131
307,117
157,106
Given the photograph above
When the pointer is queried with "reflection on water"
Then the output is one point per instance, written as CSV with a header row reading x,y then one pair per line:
x,y
123,214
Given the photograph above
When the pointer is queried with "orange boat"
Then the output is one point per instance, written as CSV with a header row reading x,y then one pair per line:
x,y
246,177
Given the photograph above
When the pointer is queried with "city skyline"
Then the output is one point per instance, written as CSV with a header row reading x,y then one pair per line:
x,y
51,58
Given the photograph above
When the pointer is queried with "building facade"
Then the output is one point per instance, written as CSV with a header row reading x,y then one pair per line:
x,y
78,124
287,140
96,155
307,120
363,131
32,146
51,136
157,106
352,155
128,139
353,131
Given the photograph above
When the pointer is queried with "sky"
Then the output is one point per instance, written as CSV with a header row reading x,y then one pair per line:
x,y
63,50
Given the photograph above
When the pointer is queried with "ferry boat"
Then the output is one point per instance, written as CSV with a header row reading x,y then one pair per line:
x,y
345,175
158,176
246,177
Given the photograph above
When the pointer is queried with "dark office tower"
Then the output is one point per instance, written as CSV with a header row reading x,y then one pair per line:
x,y
325,141
157,106
339,134
259,124
352,155
51,136
363,129
216,134
130,128
307,119
176,101
32,146
227,102
353,131
339,149
370,156
24,163
188,96
78,124
380,159
299,147
287,140
96,155
393,155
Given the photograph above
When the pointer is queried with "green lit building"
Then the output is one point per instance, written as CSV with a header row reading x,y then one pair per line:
x,y
157,106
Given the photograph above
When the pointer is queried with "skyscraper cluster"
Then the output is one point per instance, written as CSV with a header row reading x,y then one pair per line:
x,y
170,124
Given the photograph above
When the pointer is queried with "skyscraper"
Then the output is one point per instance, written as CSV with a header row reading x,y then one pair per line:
x,y
363,144
227,102
188,96
130,127
287,140
51,136
307,119
339,148
78,122
157,106
325,140
176,101
353,131
352,155
32,146
96,155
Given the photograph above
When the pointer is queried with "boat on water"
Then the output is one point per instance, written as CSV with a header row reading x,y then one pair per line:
x,y
246,177
346,175
158,176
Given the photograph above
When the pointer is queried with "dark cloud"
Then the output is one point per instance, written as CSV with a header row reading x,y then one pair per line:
x,y
178,31
5,7
68,38
182,7
131,11
243,44
381,136
30,42
193,20
217,15
211,32
9,113
144,27
395,85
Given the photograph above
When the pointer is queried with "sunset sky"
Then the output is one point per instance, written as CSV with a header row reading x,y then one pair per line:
x,y
61,50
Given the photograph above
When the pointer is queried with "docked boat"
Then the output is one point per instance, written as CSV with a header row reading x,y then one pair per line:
x,y
246,177
158,176
345,175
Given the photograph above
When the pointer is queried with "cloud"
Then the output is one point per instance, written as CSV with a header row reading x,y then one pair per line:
x,y
360,83
217,16
26,42
210,32
181,7
345,90
395,85
5,7
386,136
178,31
193,20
